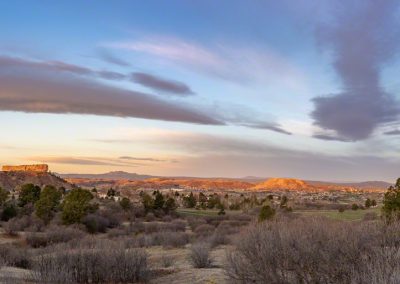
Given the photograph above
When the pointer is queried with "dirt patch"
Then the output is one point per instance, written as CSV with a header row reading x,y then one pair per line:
x,y
182,271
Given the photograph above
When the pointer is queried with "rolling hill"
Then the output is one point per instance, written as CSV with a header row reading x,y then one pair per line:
x,y
13,180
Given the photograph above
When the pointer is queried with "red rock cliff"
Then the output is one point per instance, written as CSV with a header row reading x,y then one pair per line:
x,y
26,168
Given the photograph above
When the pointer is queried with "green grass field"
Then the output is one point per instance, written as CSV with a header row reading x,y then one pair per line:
x,y
195,212
348,215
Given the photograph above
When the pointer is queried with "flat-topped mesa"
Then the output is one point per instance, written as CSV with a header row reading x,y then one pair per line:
x,y
43,168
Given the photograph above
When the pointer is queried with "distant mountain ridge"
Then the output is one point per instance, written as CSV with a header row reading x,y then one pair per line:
x,y
124,180
313,186
362,184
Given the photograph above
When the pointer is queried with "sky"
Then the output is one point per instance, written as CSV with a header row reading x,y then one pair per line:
x,y
229,88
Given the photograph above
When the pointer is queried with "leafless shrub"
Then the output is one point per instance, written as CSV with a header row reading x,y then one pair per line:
x,y
143,241
152,227
173,239
174,226
53,235
223,234
167,260
11,255
96,223
200,255
380,266
370,216
218,239
136,227
91,242
113,213
179,225
203,231
315,250
25,223
194,222
37,240
215,220
150,217
242,218
167,219
92,266
118,232
167,239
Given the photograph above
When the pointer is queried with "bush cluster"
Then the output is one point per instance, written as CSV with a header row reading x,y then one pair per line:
x,y
316,250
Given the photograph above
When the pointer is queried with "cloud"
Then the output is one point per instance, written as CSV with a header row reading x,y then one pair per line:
x,y
392,132
111,58
239,156
146,159
110,75
183,52
363,38
125,161
224,61
56,66
93,161
191,143
329,138
59,87
161,84
241,115
45,88
268,126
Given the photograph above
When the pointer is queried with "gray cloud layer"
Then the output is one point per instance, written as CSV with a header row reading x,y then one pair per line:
x,y
18,65
129,158
85,161
363,38
268,126
160,84
145,79
330,138
56,88
59,87
109,57
392,132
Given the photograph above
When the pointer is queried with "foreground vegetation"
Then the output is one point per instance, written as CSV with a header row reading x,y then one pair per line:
x,y
55,236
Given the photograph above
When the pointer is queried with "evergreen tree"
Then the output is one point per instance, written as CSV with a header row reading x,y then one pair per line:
x,y
111,192
391,203
76,206
147,202
203,200
48,202
125,203
190,201
3,196
284,201
9,211
29,193
266,213
213,201
158,201
170,205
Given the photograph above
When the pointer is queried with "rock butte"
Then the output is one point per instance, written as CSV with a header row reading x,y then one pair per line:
x,y
43,168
